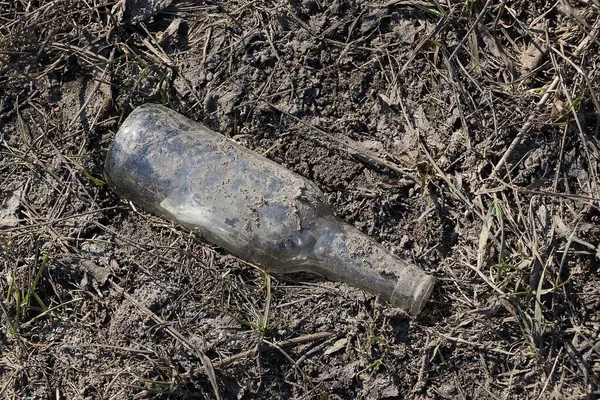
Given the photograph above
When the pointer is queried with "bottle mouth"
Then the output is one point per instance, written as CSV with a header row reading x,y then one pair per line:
x,y
412,294
422,294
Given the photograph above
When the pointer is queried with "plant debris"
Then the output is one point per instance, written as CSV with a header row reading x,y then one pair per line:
x,y
462,135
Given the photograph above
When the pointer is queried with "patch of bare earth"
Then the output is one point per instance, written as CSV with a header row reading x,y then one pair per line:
x,y
462,135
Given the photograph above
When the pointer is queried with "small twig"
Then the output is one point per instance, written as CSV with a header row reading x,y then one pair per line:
x,y
350,144
466,36
425,360
409,3
284,343
438,28
550,374
110,347
16,69
54,221
593,184
139,246
473,344
210,372
525,128
537,192
49,310
288,357
154,46
453,189
105,73
540,105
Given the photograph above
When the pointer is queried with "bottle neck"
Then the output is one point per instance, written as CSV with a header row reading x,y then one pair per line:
x,y
342,253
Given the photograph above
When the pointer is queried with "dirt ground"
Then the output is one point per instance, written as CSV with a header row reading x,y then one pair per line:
x,y
463,135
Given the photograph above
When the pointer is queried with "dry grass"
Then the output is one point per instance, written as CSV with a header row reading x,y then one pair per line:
x,y
463,134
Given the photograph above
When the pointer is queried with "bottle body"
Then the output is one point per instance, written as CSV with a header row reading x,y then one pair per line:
x,y
249,205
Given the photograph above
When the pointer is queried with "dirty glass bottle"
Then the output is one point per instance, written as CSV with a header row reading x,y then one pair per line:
x,y
252,207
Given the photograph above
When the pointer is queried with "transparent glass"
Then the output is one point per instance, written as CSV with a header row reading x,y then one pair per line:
x,y
252,207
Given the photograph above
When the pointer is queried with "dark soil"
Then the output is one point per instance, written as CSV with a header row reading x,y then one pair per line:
x,y
463,136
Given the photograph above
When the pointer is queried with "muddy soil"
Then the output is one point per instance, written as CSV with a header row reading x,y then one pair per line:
x,y
463,136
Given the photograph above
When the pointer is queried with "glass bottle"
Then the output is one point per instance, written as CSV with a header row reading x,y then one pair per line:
x,y
252,207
